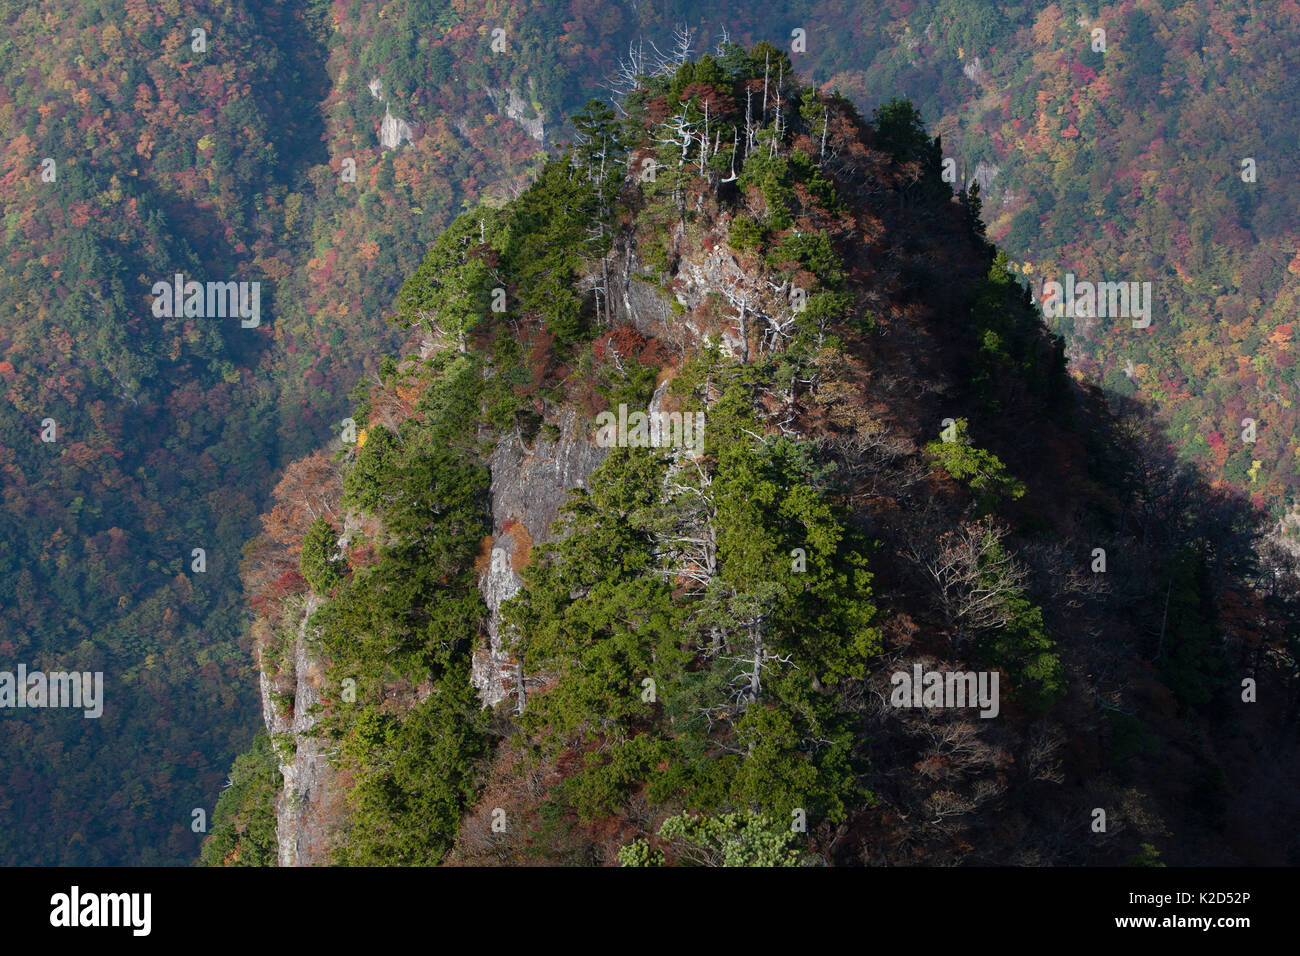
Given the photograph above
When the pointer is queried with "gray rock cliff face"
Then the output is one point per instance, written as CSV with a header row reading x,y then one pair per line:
x,y
393,131
529,483
513,105
985,173
310,790
528,486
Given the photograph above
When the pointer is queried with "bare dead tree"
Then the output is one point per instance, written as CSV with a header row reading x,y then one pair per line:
x,y
1041,753
688,546
724,40
779,325
973,575
945,805
740,298
732,175
627,74
666,64
749,119
753,654
776,125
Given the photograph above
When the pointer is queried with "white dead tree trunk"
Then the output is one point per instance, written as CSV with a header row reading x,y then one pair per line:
x,y
779,326
668,63
753,658
688,547
749,120
731,176
776,125
677,132
739,297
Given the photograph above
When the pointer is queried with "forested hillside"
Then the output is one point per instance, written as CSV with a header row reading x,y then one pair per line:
x,y
689,647
321,148
129,158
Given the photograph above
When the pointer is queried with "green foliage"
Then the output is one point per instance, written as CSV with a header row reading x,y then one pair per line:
x,y
1008,368
621,625
366,483
599,137
505,400
1130,737
605,780
745,233
814,252
600,612
1012,635
1025,651
1147,855
633,386
414,776
1189,646
772,176
805,171
638,853
450,294
729,839
968,197
901,131
982,471
764,59
410,617
319,563
975,28
243,822
413,611
545,239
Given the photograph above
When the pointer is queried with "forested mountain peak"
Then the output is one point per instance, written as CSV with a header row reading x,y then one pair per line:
x,y
150,145
703,456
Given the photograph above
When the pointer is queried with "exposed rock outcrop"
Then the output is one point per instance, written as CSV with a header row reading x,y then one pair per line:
x,y
310,796
985,173
528,487
393,131
511,104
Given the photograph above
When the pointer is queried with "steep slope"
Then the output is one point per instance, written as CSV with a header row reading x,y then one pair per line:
x,y
1127,141
894,470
